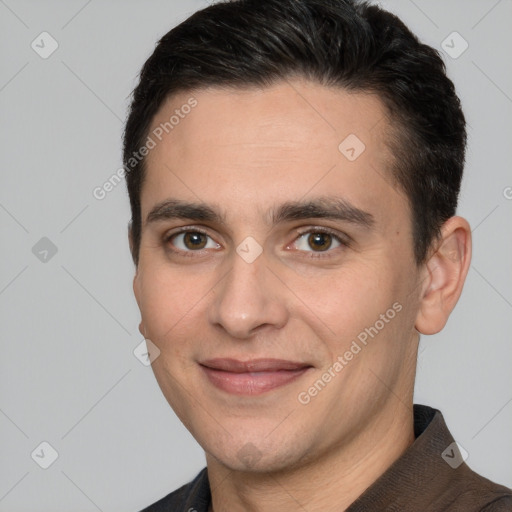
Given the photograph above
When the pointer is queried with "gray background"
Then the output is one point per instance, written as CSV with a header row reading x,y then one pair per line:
x,y
68,375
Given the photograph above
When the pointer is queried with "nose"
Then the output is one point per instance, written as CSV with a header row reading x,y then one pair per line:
x,y
249,299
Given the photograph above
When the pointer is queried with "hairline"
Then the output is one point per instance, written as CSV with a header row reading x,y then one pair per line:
x,y
395,138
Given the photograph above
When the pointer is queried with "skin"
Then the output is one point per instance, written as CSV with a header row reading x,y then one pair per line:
x,y
245,152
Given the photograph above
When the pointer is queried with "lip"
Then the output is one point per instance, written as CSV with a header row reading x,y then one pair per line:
x,y
253,377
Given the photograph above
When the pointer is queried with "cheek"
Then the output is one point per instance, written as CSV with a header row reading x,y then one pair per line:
x,y
171,314
346,301
167,301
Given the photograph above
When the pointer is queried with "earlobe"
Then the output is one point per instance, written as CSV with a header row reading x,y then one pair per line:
x,y
445,273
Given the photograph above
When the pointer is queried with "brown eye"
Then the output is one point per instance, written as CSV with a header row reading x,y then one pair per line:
x,y
194,240
188,241
320,241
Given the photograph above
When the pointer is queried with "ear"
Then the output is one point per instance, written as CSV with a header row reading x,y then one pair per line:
x,y
444,274
136,292
136,277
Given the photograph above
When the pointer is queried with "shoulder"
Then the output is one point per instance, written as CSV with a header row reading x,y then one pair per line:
x,y
479,494
452,484
194,496
503,504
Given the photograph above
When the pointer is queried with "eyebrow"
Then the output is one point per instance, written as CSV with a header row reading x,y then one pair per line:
x,y
333,208
323,208
177,209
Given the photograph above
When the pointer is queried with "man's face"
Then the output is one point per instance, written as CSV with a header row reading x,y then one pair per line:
x,y
269,253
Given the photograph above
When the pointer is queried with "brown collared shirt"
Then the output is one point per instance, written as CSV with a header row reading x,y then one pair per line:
x,y
429,477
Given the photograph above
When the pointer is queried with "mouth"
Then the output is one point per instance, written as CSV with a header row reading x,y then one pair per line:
x,y
252,377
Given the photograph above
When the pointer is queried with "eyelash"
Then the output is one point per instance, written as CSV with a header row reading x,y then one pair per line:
x,y
186,254
343,241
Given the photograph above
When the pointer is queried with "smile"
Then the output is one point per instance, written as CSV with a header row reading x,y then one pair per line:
x,y
253,377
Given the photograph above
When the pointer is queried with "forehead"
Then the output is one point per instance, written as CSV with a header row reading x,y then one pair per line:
x,y
257,145
306,110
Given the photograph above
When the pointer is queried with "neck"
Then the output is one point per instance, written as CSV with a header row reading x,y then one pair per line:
x,y
330,482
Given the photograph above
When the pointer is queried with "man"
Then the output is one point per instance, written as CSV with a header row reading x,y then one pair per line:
x,y
293,169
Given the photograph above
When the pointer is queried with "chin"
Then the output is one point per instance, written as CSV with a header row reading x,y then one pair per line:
x,y
257,456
